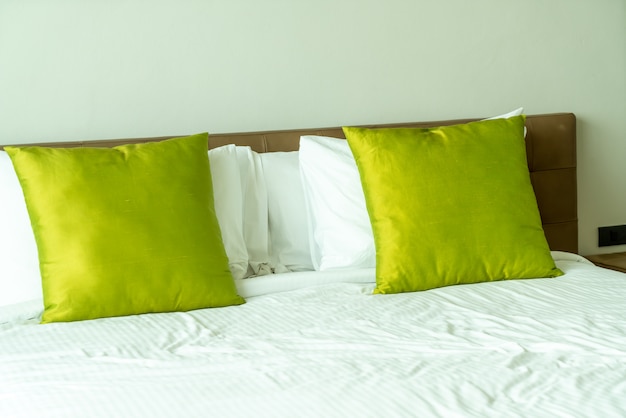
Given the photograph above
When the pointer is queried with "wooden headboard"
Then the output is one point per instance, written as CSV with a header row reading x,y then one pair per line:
x,y
550,145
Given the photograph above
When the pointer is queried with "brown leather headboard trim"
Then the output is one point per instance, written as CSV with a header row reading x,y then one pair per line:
x,y
550,145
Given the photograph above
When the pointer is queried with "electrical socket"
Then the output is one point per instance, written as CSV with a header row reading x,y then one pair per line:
x,y
611,235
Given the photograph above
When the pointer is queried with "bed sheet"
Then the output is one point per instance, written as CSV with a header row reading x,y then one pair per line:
x,y
540,347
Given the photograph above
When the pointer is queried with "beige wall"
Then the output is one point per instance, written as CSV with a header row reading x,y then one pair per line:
x,y
72,69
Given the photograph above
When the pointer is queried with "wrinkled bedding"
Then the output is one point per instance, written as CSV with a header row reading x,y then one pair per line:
x,y
322,345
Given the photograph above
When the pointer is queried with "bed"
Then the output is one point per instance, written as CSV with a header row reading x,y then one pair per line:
x,y
318,342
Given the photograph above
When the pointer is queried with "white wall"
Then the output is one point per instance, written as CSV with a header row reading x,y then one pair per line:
x,y
74,69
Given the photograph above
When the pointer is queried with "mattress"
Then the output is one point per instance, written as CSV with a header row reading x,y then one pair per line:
x,y
310,344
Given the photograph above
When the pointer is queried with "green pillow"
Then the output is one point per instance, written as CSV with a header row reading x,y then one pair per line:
x,y
450,205
125,230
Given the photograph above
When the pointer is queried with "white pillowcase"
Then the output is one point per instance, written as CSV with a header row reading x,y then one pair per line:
x,y
288,229
339,226
20,280
229,206
255,212
516,112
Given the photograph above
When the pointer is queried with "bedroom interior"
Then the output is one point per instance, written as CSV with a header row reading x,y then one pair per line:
x,y
365,238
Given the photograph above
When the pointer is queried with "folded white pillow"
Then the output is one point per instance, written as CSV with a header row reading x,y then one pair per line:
x,y
339,226
20,280
255,212
229,206
288,229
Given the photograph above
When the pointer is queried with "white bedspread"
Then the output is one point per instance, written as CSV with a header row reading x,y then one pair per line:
x,y
543,347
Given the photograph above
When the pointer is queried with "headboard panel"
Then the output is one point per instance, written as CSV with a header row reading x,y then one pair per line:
x,y
550,145
551,150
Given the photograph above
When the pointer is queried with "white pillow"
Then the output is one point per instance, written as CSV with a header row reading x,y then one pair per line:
x,y
288,229
516,112
339,226
229,206
255,212
20,280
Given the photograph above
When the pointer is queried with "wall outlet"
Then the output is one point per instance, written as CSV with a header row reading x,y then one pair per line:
x,y
611,235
